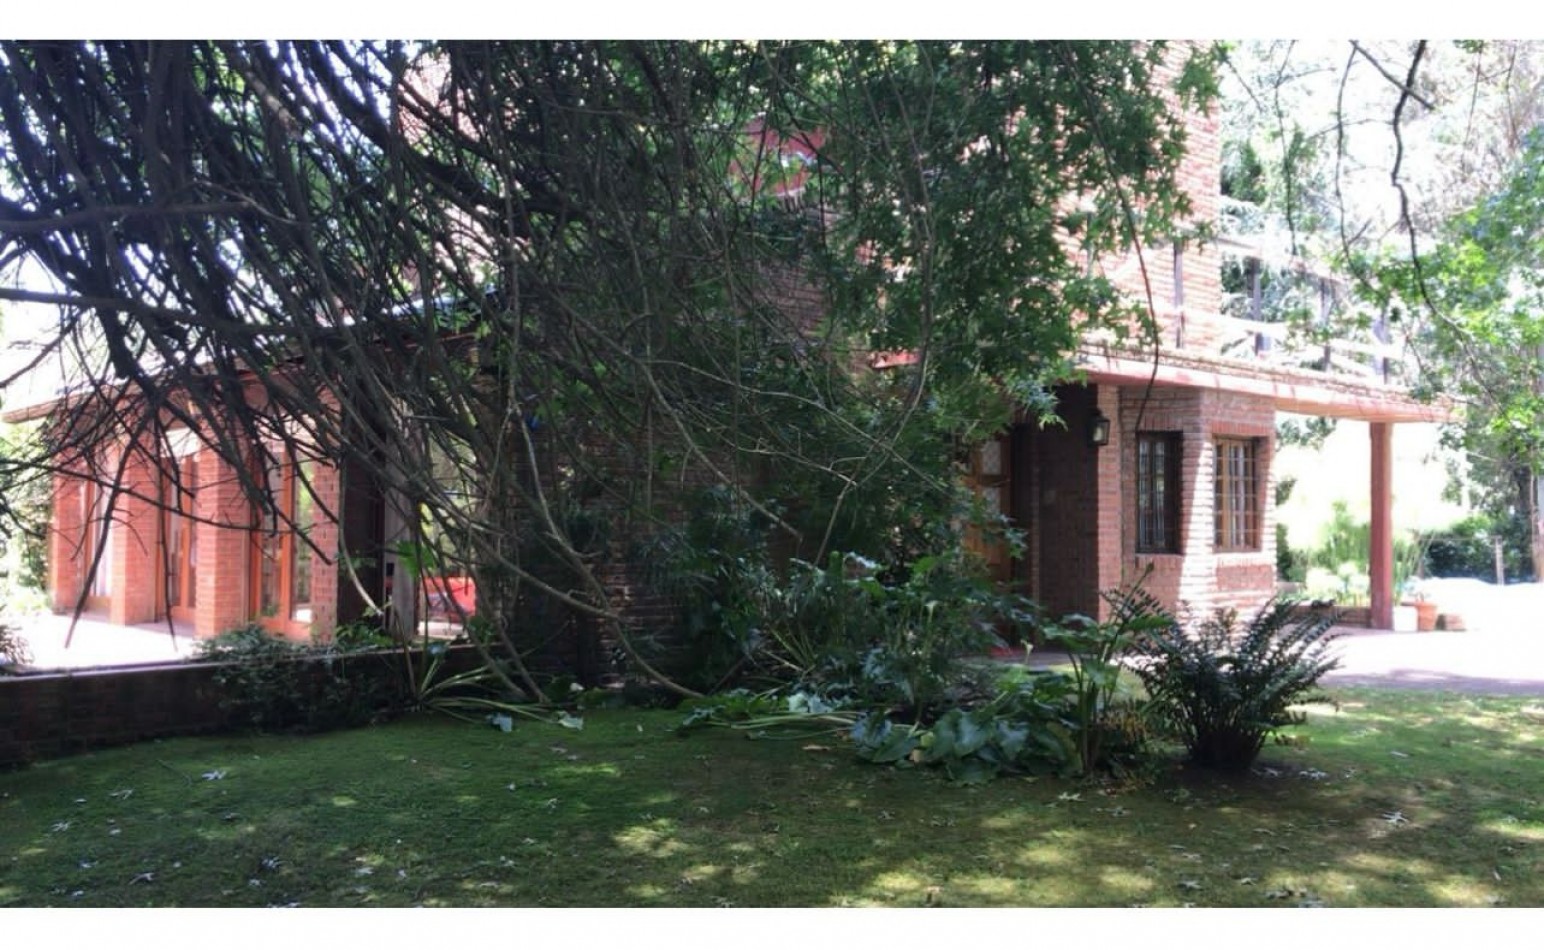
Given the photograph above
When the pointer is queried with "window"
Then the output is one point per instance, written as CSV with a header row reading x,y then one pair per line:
x,y
1238,495
98,534
1158,495
283,556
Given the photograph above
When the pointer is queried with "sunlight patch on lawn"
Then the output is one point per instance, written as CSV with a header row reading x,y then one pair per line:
x,y
655,840
1511,827
1454,890
1011,821
1056,852
896,884
596,770
1127,882
344,801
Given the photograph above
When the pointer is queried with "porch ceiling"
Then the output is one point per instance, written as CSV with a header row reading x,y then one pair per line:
x,y
1302,391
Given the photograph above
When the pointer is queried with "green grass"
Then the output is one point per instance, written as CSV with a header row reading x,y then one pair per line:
x,y
1397,799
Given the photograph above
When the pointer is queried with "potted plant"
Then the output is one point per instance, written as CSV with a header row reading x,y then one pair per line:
x,y
1425,608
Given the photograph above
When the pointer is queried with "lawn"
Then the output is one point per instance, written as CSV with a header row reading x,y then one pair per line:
x,y
1394,799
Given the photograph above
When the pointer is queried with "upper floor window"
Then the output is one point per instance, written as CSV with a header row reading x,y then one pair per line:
x,y
1158,495
1238,495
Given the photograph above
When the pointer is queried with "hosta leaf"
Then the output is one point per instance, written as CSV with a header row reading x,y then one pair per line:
x,y
971,771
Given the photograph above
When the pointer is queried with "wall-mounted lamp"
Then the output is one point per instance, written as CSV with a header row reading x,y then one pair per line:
x,y
1098,430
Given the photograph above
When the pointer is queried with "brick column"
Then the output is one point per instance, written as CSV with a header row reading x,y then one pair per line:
x,y
1381,535
136,541
66,572
1108,518
222,547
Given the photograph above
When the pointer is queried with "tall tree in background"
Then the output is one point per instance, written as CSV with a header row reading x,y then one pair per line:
x,y
532,284
1409,168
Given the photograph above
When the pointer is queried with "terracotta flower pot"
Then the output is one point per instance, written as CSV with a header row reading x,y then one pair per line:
x,y
1425,616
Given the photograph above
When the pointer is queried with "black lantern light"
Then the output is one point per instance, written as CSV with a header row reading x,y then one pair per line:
x,y
1098,430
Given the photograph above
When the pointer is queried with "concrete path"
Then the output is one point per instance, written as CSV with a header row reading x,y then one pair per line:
x,y
1501,651
96,643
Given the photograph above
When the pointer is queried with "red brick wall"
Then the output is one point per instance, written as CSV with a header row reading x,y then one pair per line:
x,y
136,586
224,547
42,716
1199,577
66,572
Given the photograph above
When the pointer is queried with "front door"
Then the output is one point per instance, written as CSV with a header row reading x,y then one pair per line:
x,y
990,473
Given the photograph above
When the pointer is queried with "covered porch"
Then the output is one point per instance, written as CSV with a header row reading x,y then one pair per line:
x,y
1306,392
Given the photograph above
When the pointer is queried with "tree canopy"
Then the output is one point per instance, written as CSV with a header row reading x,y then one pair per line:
x,y
552,277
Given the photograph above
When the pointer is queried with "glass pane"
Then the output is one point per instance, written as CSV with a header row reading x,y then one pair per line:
x,y
305,516
992,457
270,545
190,482
99,532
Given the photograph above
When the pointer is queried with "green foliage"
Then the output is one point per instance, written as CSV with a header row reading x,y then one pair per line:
x,y
1291,563
1480,287
1072,723
1023,729
1338,567
1222,687
1096,651
897,643
13,649
270,683
1466,548
714,570
782,714
479,695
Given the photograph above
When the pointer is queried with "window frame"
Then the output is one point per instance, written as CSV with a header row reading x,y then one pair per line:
x,y
1237,495
280,536
1159,494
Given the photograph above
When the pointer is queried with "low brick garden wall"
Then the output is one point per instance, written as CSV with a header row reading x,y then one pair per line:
x,y
46,715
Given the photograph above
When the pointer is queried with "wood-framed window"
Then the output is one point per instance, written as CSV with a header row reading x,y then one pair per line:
x,y
282,557
97,533
1158,492
1238,494
179,533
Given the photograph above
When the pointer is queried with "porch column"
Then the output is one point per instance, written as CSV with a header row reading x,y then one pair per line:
x,y
1107,514
1381,535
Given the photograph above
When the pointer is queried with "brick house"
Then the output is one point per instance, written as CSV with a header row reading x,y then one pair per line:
x,y
145,531
1163,469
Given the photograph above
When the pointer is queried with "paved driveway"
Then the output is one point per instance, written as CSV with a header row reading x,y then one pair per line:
x,y
1502,651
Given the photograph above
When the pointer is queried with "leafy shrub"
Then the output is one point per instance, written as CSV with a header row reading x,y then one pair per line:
x,y
13,649
269,684
888,644
1024,729
1106,732
714,570
1223,687
1467,548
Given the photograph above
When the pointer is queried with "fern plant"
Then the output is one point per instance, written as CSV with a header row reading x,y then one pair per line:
x,y
1223,686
